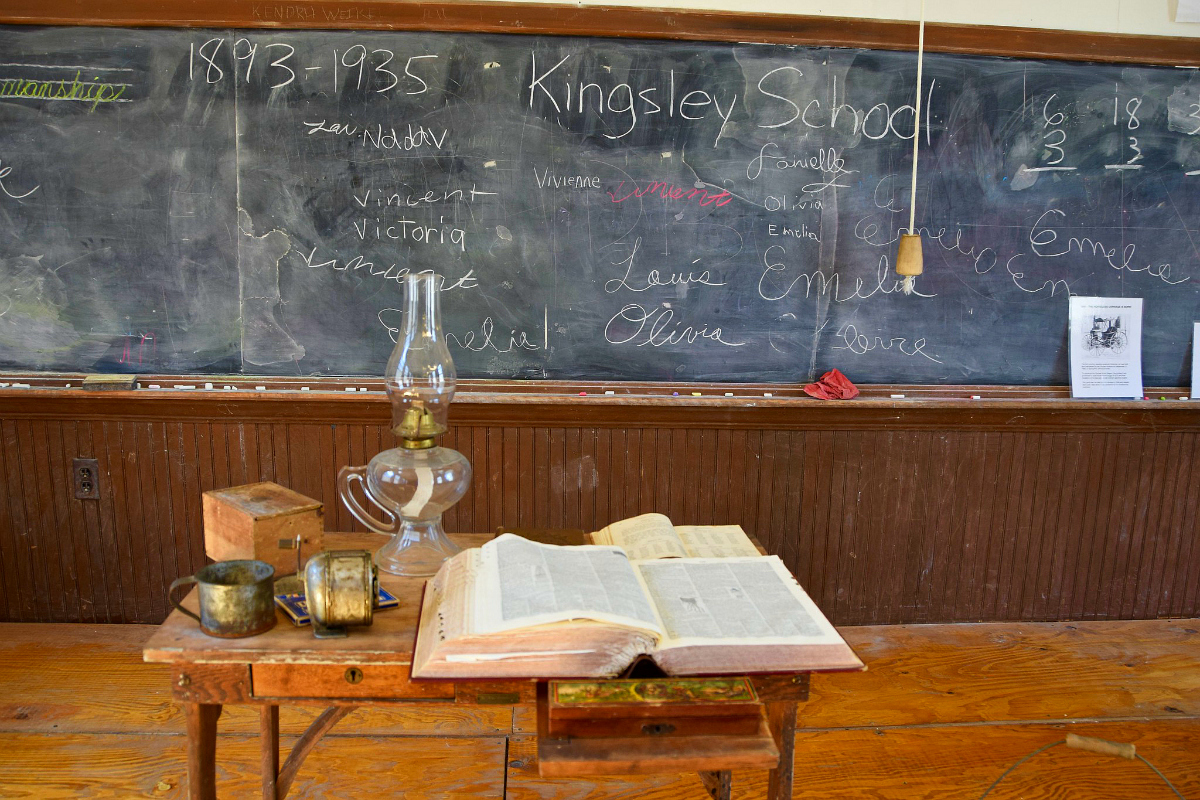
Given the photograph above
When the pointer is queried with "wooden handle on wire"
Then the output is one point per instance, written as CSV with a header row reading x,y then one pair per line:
x,y
1102,746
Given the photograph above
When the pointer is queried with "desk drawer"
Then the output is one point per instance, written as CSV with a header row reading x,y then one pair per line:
x,y
651,707
381,681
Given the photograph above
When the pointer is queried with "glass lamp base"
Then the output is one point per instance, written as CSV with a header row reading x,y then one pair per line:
x,y
417,551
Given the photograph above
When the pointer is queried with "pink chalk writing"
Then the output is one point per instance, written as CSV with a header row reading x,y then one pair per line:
x,y
669,191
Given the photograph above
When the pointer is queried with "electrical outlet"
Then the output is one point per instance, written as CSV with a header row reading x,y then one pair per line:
x,y
87,478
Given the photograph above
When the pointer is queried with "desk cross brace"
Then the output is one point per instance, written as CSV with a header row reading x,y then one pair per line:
x,y
277,781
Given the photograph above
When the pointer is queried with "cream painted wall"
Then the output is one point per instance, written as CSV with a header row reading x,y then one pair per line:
x,y
1152,17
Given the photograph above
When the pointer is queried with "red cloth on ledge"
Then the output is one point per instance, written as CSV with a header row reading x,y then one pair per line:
x,y
832,386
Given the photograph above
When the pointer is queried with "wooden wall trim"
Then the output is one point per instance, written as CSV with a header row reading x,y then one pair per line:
x,y
483,409
569,20
880,526
1022,506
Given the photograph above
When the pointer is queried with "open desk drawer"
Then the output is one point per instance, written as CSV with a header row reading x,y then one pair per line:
x,y
651,725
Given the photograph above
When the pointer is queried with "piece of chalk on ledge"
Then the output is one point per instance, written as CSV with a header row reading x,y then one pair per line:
x,y
21,386
696,394
261,388
583,394
1162,398
674,394
231,388
304,388
897,397
349,388
155,386
208,386
185,386
767,394
109,382
729,394
975,397
68,386
610,391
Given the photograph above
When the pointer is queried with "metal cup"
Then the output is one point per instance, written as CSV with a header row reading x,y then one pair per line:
x,y
236,598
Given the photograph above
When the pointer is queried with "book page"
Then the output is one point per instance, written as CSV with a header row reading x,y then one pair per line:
x,y
524,583
716,541
733,601
447,608
642,537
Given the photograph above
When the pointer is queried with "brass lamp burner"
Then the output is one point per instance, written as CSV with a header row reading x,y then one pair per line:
x,y
418,429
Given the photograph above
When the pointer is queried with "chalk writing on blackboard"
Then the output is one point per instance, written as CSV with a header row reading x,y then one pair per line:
x,y
229,201
12,194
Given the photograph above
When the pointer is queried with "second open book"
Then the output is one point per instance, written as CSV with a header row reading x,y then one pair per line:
x,y
517,608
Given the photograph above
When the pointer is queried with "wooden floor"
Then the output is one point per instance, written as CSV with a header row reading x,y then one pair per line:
x,y
943,711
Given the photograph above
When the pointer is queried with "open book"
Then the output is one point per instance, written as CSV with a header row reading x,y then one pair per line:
x,y
653,536
519,609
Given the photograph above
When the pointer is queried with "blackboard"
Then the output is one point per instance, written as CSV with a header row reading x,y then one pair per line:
x,y
225,201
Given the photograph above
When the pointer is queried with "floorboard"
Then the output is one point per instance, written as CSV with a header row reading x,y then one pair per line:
x,y
942,712
927,674
136,695
930,763
54,766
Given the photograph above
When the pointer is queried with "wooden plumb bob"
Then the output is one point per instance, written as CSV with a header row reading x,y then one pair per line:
x,y
909,256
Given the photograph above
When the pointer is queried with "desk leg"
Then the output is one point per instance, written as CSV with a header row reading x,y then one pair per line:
x,y
202,749
718,784
782,718
268,741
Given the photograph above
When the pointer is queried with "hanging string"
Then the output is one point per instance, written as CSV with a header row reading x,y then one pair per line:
x,y
912,201
907,286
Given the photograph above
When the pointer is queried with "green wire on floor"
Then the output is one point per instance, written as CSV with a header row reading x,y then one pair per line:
x,y
1103,746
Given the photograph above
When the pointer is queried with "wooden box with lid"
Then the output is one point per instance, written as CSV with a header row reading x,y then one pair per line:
x,y
263,521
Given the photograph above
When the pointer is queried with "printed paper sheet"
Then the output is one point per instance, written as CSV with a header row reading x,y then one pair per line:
x,y
1106,346
1196,361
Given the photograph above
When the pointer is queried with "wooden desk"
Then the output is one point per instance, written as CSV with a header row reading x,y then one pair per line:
x,y
288,665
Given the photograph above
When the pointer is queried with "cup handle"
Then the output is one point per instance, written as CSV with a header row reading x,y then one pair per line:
x,y
345,476
175,584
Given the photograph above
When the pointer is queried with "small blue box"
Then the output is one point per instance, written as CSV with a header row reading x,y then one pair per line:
x,y
296,606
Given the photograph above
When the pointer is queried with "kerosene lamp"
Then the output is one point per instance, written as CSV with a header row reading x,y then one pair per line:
x,y
417,481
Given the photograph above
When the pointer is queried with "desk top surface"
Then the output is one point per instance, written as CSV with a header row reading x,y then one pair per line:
x,y
388,640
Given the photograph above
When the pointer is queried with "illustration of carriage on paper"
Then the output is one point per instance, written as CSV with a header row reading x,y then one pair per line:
x,y
1105,336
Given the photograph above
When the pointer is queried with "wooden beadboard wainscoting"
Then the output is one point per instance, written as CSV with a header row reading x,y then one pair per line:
x,y
1023,505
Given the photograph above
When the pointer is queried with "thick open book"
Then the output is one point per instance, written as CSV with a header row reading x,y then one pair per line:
x,y
519,609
